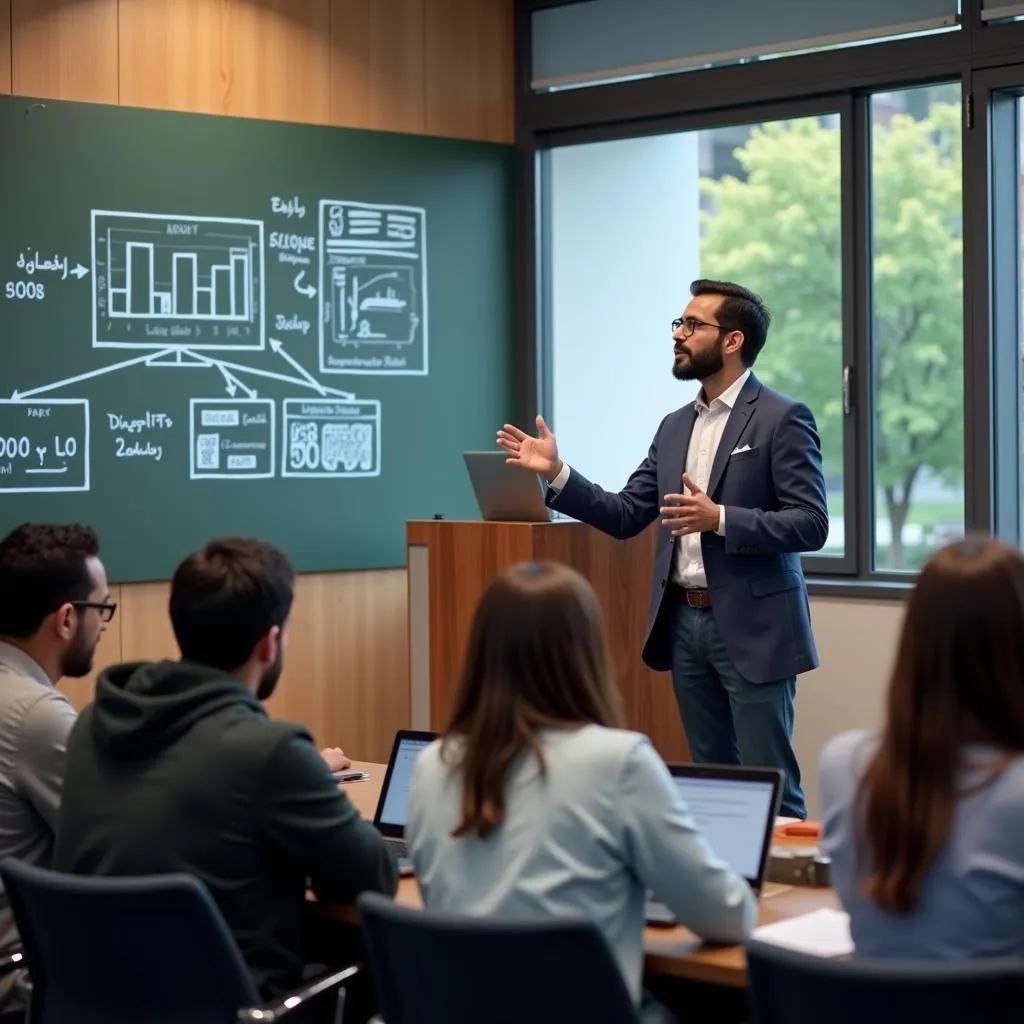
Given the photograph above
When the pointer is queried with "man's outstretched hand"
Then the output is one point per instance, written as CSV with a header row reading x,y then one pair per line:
x,y
689,513
538,454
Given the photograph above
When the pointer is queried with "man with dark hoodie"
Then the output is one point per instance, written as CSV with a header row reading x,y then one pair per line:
x,y
177,767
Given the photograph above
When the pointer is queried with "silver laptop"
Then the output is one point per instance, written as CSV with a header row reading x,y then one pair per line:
x,y
505,493
393,804
735,809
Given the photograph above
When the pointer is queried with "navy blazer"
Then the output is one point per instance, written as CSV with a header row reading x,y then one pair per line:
x,y
774,498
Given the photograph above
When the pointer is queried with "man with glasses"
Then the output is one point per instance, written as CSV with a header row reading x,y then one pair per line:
x,y
736,479
54,607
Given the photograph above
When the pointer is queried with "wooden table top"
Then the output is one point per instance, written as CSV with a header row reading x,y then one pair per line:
x,y
672,951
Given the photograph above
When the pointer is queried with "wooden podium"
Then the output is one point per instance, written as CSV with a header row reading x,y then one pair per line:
x,y
450,564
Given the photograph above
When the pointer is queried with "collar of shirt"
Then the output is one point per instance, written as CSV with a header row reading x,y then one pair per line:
x,y
727,397
18,662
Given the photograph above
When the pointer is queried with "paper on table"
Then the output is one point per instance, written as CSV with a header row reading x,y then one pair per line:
x,y
783,820
824,932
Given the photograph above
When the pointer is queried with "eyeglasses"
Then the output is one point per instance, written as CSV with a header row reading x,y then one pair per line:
x,y
105,608
690,323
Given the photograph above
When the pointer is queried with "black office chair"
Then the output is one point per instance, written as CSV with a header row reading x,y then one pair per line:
x,y
123,950
442,969
792,988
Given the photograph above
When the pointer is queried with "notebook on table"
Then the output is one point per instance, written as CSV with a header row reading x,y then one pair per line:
x,y
393,805
735,809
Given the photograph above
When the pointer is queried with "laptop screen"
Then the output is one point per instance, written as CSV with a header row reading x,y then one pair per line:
x,y
395,805
735,815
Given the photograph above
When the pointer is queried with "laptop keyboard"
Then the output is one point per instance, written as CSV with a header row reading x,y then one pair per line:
x,y
398,847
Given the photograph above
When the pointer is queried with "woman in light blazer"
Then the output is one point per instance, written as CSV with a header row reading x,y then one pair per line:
x,y
538,803
924,821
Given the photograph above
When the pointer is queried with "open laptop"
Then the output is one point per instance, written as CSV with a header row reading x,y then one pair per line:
x,y
735,809
393,805
505,493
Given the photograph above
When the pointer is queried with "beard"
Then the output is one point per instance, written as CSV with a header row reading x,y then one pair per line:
x,y
269,679
700,365
77,660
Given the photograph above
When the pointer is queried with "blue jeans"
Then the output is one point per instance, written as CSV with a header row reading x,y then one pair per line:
x,y
727,719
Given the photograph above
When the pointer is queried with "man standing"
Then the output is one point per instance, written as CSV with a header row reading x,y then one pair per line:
x,y
737,480
54,607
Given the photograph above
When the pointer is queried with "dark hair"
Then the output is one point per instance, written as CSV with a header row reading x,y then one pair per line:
x,y
226,597
42,566
740,310
958,676
537,656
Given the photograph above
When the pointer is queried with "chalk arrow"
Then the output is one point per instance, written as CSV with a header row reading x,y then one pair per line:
x,y
303,289
278,347
92,373
232,383
79,271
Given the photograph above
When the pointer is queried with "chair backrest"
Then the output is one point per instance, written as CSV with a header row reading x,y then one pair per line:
x,y
793,988
153,948
431,968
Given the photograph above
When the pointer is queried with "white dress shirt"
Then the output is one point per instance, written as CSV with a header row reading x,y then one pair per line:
x,y
708,427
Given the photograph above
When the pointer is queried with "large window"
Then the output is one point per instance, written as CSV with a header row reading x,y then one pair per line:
x,y
868,309
917,325
873,194
632,222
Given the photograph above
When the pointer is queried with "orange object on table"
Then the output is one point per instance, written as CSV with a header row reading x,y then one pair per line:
x,y
799,829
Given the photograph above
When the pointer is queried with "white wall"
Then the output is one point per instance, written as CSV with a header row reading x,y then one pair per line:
x,y
625,247
857,644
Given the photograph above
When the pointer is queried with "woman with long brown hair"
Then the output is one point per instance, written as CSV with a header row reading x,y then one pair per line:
x,y
925,821
537,802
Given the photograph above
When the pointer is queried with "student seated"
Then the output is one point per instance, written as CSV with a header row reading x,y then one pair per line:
x,y
176,767
54,607
538,803
924,821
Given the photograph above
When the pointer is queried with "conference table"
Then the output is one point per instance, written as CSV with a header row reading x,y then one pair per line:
x,y
671,952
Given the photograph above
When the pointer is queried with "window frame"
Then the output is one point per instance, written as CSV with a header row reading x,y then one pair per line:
x,y
986,60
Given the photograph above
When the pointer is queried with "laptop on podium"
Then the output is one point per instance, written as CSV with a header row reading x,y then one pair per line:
x,y
505,493
735,809
393,805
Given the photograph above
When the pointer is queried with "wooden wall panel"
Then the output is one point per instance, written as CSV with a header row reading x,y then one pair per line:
x,y
5,46
470,77
269,59
377,64
347,661
146,633
437,66
65,50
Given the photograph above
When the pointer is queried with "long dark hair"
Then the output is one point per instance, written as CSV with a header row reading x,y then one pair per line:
x,y
958,677
537,656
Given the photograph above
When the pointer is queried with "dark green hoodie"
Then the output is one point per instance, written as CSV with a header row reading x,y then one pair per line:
x,y
176,767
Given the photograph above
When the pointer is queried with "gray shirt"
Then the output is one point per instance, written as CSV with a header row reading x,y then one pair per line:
x,y
972,900
35,721
604,825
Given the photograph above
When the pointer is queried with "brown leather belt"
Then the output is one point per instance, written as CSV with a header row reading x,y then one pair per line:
x,y
695,597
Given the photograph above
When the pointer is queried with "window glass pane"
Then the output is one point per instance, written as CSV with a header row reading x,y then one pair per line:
x,y
634,221
599,41
995,12
917,324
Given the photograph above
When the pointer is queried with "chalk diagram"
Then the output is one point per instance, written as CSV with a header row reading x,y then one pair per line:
x,y
373,284
189,293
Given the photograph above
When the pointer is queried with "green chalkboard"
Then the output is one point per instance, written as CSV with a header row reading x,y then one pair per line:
x,y
216,325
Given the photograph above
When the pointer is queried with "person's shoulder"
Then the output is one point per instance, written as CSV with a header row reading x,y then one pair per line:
x,y
777,400
431,761
253,736
845,755
598,744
